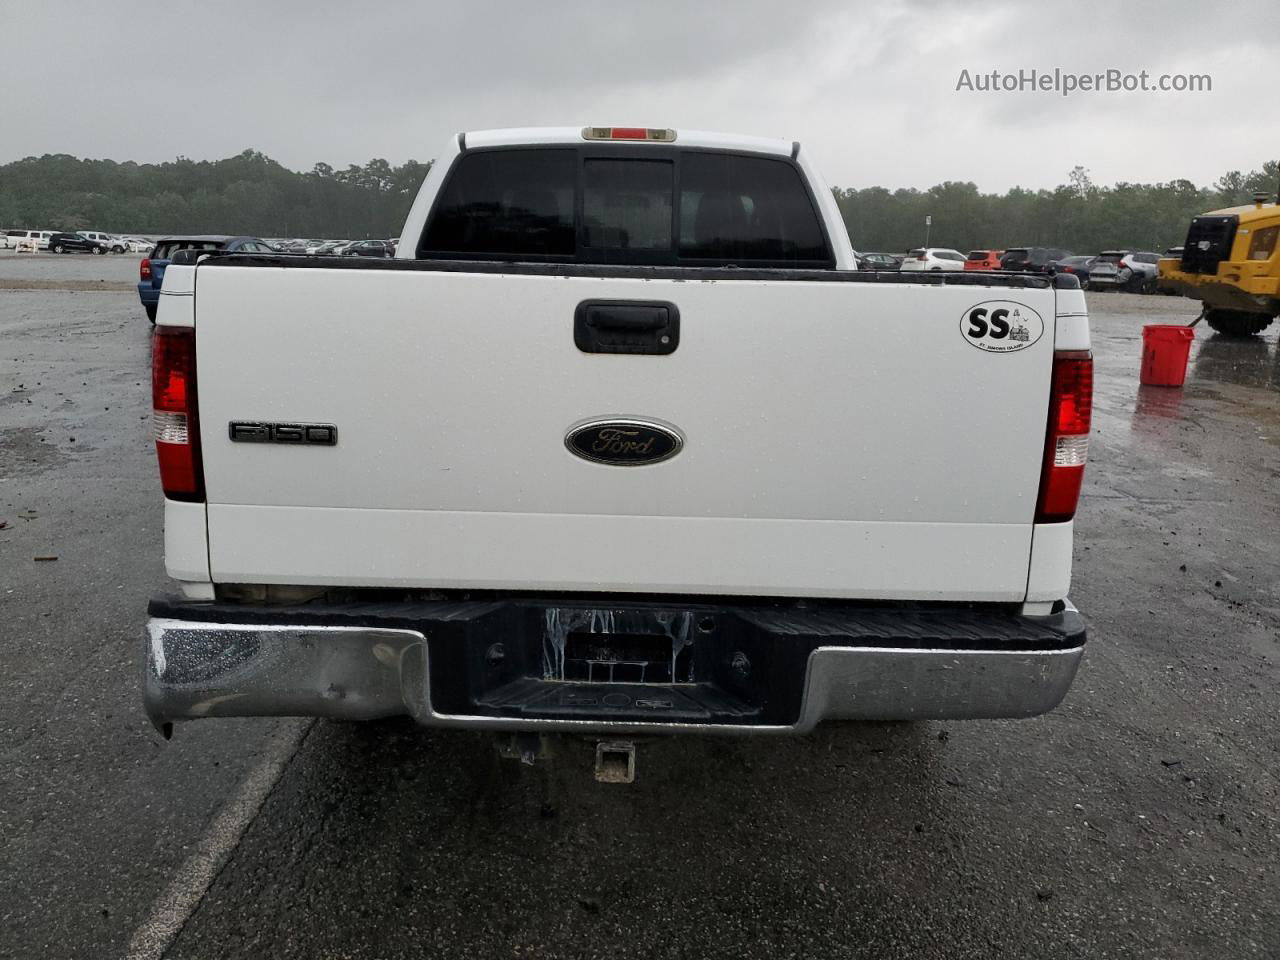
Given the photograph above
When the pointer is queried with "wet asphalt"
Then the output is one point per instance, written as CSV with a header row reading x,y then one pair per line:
x,y
1140,819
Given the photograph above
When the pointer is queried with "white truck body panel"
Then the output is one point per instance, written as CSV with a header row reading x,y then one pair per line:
x,y
566,552
869,451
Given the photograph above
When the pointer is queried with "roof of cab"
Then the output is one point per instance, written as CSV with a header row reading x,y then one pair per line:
x,y
517,136
1247,212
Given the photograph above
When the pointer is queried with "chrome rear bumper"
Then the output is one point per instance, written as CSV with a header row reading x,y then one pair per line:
x,y
197,669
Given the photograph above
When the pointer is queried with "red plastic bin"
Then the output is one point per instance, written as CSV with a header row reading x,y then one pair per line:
x,y
1165,350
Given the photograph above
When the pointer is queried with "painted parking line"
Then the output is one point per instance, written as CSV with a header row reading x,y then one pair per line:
x,y
182,896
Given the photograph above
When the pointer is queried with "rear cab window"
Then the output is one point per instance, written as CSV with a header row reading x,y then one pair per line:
x,y
649,206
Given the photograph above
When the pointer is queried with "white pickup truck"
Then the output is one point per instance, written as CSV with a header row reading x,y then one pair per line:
x,y
621,442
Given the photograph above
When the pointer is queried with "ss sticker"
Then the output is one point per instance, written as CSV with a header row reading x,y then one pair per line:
x,y
1001,326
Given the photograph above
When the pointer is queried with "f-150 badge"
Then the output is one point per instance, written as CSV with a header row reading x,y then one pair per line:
x,y
256,431
1001,326
623,443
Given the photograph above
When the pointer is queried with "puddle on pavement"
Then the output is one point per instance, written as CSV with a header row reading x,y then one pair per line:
x,y
1246,362
24,454
1242,373
1164,402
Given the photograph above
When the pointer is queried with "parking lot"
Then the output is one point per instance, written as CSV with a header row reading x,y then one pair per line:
x,y
1140,819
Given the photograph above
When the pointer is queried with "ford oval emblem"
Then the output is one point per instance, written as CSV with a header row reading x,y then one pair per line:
x,y
623,443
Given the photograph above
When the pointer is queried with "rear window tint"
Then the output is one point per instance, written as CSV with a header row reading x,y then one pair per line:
x,y
977,254
916,254
507,203
740,209
626,205
609,207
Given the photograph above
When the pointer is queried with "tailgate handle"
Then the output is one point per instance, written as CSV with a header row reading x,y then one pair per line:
x,y
626,326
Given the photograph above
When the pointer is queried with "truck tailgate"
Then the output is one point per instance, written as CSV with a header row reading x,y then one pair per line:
x,y
841,439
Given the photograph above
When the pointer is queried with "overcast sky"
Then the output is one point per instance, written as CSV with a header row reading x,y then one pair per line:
x,y
870,88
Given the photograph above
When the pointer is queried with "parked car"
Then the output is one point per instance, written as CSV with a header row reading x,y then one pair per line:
x,y
983,260
152,269
75,243
113,244
878,261
1031,259
1110,271
330,248
933,258
38,237
1145,265
1077,266
368,248
1136,272
138,244
429,503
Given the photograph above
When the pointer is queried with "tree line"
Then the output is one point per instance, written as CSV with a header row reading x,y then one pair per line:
x,y
252,194
249,194
1078,215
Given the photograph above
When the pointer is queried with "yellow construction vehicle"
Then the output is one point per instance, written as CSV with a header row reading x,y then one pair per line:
x,y
1231,262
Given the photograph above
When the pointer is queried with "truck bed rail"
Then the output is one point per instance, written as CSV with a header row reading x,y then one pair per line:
x,y
525,268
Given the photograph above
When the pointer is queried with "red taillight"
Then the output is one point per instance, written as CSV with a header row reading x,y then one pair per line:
x,y
144,269
173,401
1067,440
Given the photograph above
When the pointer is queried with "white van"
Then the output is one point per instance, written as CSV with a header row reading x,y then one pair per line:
x,y
13,238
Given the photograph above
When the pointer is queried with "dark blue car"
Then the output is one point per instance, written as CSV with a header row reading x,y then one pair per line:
x,y
151,270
